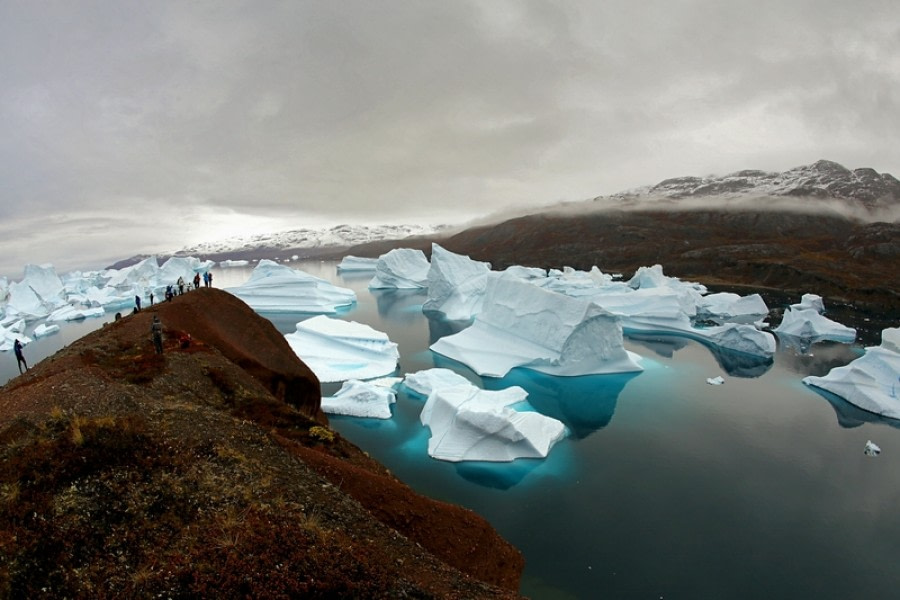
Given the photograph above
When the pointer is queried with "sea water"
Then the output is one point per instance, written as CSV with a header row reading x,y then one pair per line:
x,y
666,487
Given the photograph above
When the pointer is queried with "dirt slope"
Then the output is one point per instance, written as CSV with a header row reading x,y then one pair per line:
x,y
124,473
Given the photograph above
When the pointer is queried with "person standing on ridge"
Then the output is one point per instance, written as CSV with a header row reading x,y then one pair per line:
x,y
196,281
20,358
137,304
156,333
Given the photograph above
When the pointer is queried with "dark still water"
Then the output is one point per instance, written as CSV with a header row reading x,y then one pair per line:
x,y
667,487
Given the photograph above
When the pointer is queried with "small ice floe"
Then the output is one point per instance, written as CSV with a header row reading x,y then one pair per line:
x,y
356,398
715,380
44,330
871,449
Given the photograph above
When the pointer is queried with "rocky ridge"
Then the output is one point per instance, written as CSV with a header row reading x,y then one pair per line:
x,y
823,179
208,471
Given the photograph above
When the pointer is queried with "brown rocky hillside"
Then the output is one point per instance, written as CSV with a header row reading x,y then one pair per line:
x,y
209,472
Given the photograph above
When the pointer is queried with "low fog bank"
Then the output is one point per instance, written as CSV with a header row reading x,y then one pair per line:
x,y
659,202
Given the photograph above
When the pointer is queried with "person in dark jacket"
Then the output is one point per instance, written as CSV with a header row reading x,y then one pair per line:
x,y
20,358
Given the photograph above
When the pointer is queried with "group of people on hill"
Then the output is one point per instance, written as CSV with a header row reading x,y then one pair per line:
x,y
155,326
177,289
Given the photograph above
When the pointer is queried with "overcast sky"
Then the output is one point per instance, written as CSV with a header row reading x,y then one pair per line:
x,y
128,127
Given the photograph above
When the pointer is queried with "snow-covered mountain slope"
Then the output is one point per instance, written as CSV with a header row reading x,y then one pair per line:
x,y
824,179
337,236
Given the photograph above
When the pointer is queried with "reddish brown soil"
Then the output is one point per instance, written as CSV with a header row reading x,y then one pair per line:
x,y
124,473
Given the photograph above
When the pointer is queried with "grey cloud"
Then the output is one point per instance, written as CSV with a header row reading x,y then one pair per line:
x,y
402,110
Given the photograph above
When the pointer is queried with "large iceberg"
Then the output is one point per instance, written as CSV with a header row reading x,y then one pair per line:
x,y
471,424
402,268
872,381
275,288
523,325
456,284
338,350
808,323
356,398
144,274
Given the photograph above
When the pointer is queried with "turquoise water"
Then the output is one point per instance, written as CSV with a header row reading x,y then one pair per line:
x,y
667,486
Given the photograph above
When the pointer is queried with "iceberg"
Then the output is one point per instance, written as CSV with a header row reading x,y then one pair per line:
x,y
471,424
25,302
402,268
456,284
872,381
357,263
523,325
727,305
233,263
427,380
356,398
871,449
718,380
143,275
184,267
278,288
813,301
808,323
43,330
72,313
338,350
45,283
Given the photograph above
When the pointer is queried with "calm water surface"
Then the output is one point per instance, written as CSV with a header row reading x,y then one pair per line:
x,y
667,487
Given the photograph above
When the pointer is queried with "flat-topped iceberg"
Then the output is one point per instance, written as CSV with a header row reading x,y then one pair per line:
x,y
456,284
523,325
402,268
808,323
75,313
727,305
471,424
370,399
278,288
872,381
357,263
43,330
427,380
227,263
339,350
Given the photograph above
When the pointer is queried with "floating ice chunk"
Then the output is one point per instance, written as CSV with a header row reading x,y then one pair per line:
x,y
278,288
890,339
43,330
338,350
361,399
739,338
402,268
24,301
234,263
8,338
871,449
46,283
456,284
807,323
357,263
810,301
468,423
426,381
872,381
729,306
526,273
184,267
73,313
143,274
646,310
523,325
715,380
